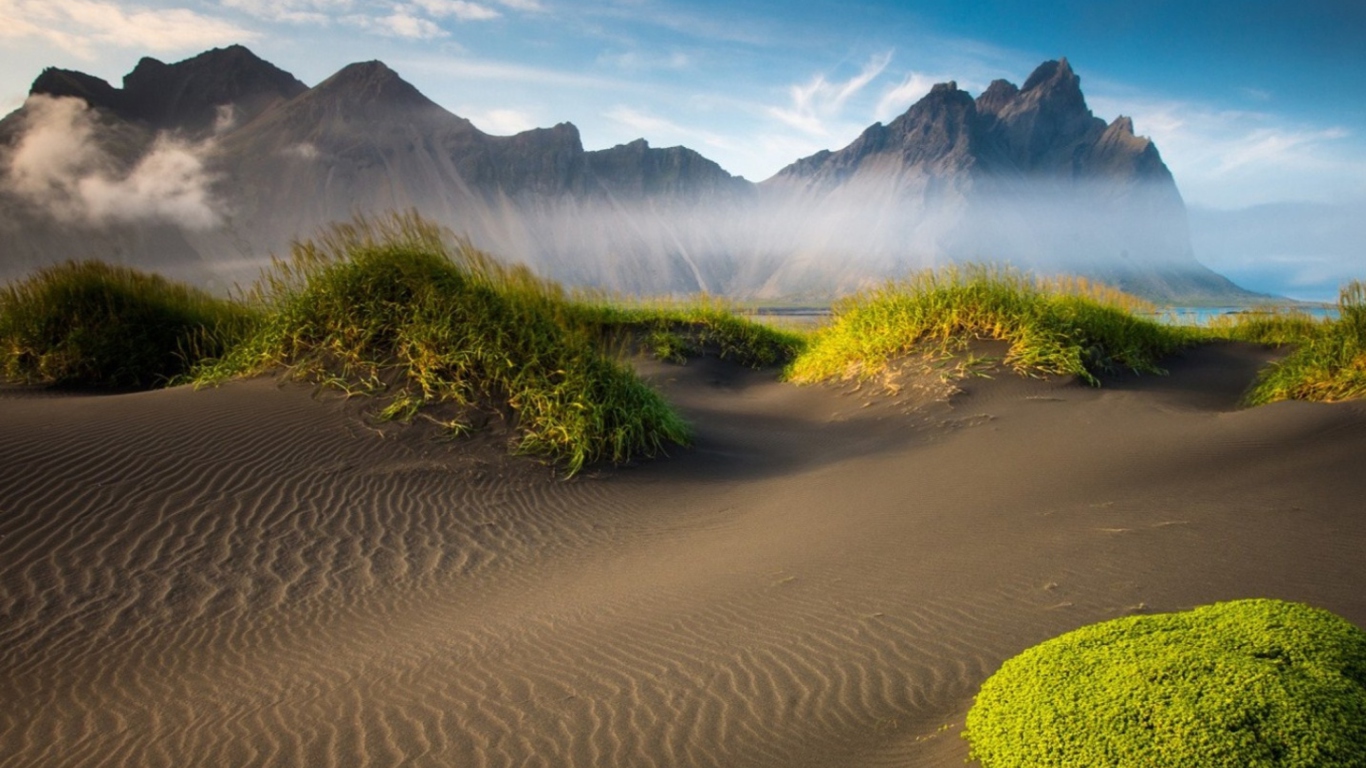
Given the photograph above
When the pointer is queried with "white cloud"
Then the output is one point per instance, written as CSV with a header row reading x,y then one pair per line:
x,y
644,123
899,97
819,101
400,23
639,61
58,166
82,27
1227,158
482,71
502,122
661,131
460,9
532,6
293,11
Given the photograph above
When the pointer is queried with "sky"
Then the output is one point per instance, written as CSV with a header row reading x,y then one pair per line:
x,y
1253,105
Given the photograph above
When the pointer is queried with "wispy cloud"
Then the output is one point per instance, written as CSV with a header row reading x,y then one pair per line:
x,y
410,19
294,11
483,71
642,61
502,122
907,92
400,23
83,27
462,10
818,101
1232,158
661,130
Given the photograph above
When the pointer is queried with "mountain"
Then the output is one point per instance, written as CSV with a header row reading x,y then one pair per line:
x,y
205,167
1025,173
213,89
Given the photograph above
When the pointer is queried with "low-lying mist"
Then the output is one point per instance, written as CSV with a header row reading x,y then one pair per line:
x,y
1305,251
67,165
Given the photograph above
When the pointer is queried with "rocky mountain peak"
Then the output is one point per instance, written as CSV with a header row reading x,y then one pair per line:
x,y
1053,75
371,82
193,96
996,97
66,82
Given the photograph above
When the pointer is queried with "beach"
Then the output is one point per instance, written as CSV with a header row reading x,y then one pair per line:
x,y
260,574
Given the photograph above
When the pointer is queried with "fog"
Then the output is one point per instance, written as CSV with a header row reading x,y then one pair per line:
x,y
784,239
1304,251
60,167
785,243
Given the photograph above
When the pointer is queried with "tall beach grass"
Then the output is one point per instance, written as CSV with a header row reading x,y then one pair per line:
x,y
91,324
397,308
674,330
1328,362
1052,326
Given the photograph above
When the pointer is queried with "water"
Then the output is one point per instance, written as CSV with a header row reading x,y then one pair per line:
x,y
1205,315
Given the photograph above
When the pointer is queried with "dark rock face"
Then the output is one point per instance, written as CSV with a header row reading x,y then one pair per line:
x,y
636,170
185,96
94,91
1042,129
952,177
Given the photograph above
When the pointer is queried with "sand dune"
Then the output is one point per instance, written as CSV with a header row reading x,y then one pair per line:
x,y
253,575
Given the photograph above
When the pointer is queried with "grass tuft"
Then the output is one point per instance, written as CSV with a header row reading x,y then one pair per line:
x,y
397,308
1059,326
674,331
91,324
1329,362
1243,684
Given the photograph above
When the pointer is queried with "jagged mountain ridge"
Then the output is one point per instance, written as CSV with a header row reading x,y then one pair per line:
x,y
632,217
1028,172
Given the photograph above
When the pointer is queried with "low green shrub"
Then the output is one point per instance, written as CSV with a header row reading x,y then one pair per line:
x,y
1243,684
92,324
1063,326
396,308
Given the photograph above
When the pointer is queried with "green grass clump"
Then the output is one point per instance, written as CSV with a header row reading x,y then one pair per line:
x,y
1329,362
396,308
1244,684
91,324
1061,326
675,331
1273,327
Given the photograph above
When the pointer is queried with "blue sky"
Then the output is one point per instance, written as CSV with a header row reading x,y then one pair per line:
x,y
1251,103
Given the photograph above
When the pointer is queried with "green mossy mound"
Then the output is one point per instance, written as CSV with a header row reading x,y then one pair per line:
x,y
397,310
90,324
1240,684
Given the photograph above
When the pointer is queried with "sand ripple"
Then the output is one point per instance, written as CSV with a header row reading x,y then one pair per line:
x,y
252,576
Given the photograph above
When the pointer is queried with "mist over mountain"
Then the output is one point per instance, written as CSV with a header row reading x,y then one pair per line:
x,y
203,168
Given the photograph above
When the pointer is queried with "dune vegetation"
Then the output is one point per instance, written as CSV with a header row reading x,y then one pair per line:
x,y
91,324
1240,684
394,309
1064,326
1328,362
402,310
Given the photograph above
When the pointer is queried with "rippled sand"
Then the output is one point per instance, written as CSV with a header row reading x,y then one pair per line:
x,y
253,575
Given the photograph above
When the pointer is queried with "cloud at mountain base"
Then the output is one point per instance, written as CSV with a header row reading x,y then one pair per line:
x,y
59,167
